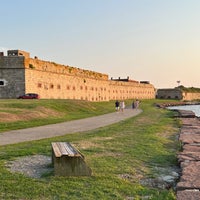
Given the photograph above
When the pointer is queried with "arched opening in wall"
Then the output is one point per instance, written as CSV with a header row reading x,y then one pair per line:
x,y
58,87
74,88
81,87
176,97
2,83
51,86
169,97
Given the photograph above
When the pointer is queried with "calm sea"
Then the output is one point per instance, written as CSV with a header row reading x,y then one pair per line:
x,y
194,108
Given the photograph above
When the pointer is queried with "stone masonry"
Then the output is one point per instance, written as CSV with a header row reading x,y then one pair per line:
x,y
188,186
21,74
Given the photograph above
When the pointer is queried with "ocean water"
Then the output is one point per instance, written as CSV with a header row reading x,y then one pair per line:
x,y
194,108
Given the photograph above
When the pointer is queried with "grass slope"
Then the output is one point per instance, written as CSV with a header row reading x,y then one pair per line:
x,y
119,155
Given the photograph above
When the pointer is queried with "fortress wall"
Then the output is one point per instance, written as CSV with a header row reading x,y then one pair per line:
x,y
13,82
64,86
11,76
169,94
52,80
62,69
54,85
22,74
191,96
12,62
131,90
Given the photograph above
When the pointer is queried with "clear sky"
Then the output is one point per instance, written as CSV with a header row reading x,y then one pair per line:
x,y
153,40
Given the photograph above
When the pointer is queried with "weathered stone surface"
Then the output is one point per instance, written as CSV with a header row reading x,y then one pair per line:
x,y
191,148
188,195
190,178
50,80
186,114
190,129
190,121
190,156
190,138
189,185
190,153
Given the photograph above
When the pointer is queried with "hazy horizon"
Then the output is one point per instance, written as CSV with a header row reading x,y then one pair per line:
x,y
156,41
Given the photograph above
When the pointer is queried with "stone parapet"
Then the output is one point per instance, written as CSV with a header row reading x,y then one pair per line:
x,y
64,69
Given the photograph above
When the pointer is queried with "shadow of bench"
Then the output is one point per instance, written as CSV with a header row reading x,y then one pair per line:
x,y
68,161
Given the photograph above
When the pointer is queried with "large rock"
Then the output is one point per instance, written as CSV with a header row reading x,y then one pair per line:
x,y
190,178
189,138
188,195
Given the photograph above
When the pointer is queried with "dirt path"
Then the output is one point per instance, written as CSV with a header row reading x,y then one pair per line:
x,y
53,130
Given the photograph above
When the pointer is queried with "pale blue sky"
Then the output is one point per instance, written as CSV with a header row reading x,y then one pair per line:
x,y
154,40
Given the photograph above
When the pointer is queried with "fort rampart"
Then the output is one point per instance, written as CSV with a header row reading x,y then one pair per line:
x,y
21,74
176,93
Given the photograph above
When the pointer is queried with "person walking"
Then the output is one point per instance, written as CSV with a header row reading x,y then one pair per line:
x,y
133,104
122,106
117,105
137,103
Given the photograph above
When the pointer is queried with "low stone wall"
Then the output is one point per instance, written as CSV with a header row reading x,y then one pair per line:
x,y
191,96
188,186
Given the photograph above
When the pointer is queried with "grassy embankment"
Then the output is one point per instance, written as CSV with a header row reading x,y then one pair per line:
x,y
131,148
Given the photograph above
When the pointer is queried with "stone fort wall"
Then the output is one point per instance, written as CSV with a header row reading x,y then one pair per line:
x,y
191,96
21,74
176,93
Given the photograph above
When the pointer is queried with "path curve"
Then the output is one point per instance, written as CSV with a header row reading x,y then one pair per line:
x,y
53,130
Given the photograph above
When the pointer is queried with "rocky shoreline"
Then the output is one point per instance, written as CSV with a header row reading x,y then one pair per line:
x,y
188,186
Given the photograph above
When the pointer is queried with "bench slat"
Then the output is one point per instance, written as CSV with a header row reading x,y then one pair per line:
x,y
56,149
64,148
71,151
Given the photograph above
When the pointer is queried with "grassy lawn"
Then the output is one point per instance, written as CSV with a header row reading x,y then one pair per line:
x,y
119,155
21,113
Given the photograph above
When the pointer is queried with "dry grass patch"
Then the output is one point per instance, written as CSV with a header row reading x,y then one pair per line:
x,y
13,115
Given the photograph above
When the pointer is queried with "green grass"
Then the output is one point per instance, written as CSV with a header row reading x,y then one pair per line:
x,y
66,110
133,147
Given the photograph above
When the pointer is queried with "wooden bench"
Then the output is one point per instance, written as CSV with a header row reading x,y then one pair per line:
x,y
68,161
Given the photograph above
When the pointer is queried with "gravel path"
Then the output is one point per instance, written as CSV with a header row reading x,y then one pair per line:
x,y
53,130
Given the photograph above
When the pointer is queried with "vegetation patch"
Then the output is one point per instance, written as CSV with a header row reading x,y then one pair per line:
x,y
127,159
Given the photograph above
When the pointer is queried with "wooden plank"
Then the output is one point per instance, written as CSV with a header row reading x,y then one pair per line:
x,y
62,148
56,149
71,151
65,149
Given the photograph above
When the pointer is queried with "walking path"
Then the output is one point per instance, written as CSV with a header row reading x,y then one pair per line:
x,y
53,130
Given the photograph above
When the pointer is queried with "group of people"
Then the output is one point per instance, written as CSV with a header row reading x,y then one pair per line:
x,y
135,104
120,105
